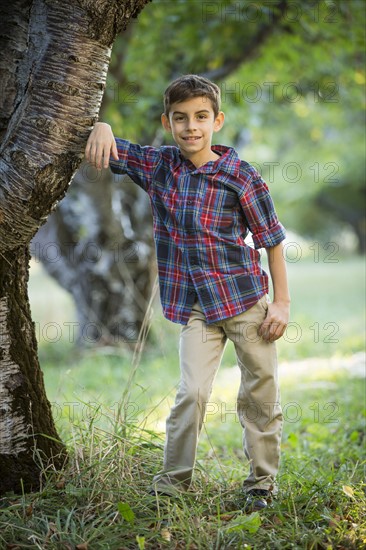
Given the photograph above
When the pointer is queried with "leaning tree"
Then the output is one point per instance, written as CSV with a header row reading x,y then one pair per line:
x,y
53,68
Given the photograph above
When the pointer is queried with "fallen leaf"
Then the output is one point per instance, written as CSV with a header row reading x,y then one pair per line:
x,y
277,520
196,521
82,546
348,491
249,523
52,530
166,534
126,511
61,484
226,517
29,510
334,520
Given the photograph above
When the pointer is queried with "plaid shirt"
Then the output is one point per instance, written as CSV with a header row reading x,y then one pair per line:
x,y
201,218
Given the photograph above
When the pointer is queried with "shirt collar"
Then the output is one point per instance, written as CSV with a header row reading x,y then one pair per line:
x,y
229,162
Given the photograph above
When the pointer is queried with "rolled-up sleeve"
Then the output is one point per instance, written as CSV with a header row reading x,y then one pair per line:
x,y
136,161
260,214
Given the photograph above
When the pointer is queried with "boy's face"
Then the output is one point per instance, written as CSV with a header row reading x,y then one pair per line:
x,y
192,124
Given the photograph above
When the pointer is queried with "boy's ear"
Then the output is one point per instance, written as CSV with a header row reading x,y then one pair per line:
x,y
165,122
219,121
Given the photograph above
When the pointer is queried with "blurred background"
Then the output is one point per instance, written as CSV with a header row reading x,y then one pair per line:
x,y
292,78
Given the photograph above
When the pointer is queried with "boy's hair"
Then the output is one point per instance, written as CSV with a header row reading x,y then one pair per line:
x,y
191,85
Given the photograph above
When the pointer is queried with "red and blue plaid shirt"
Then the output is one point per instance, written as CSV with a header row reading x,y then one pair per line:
x,y
201,218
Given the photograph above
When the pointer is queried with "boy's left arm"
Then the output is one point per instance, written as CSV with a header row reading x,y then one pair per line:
x,y
278,314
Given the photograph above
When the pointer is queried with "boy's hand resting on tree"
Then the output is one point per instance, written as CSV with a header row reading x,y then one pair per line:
x,y
100,146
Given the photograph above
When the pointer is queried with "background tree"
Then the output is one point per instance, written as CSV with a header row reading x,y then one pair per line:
x,y
291,80
305,123
98,245
53,71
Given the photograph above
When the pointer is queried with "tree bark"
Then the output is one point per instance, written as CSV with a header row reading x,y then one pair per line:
x,y
97,245
26,424
55,60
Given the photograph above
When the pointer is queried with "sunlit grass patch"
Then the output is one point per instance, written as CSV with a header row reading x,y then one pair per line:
x,y
100,500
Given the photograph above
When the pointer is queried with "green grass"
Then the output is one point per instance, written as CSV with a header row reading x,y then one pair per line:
x,y
112,426
321,299
99,500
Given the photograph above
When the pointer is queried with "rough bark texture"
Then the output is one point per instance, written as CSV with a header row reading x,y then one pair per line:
x,y
55,57
98,245
25,413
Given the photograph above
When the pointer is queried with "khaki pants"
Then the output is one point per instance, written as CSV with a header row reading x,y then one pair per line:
x,y
258,407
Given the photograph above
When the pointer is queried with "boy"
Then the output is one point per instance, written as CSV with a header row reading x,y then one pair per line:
x,y
204,202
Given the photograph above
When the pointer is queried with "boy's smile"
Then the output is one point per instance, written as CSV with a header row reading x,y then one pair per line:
x,y
192,124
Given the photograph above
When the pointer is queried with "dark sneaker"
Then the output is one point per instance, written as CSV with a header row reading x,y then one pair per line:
x,y
257,499
158,492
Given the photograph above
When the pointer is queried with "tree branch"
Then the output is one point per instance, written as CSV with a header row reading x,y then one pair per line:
x,y
252,50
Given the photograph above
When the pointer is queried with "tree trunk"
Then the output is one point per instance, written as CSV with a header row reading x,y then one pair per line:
x,y
352,213
55,59
26,423
98,246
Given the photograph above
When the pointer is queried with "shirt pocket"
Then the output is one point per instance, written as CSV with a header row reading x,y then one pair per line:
x,y
219,209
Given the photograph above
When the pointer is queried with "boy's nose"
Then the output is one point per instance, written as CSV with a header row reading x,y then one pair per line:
x,y
191,123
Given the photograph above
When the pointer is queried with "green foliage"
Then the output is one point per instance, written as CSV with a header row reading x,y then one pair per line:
x,y
292,88
249,523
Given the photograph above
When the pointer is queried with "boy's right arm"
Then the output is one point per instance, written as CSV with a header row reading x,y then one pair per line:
x,y
101,145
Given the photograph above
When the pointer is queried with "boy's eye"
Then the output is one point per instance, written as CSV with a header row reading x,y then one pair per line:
x,y
181,118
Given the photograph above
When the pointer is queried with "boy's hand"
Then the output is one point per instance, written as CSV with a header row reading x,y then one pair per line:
x,y
274,325
100,146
